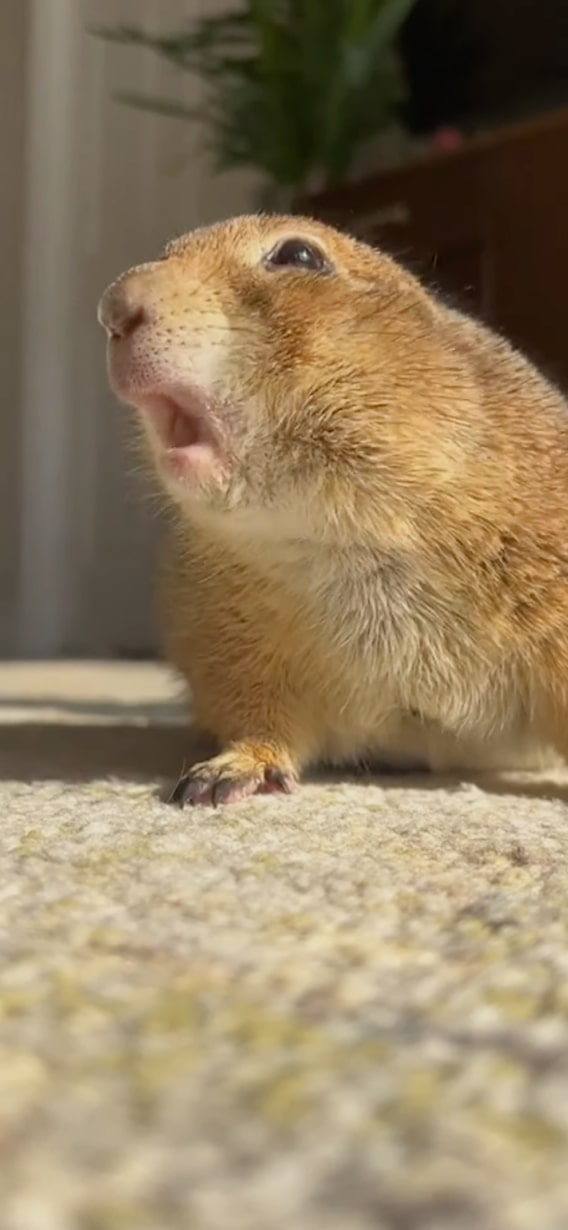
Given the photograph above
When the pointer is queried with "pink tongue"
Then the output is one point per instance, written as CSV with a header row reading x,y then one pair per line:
x,y
183,433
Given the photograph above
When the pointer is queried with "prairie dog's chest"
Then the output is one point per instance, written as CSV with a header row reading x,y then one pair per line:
x,y
359,637
393,641
365,612
348,615
367,603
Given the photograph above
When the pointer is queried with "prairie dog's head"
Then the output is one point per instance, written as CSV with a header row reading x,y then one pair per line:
x,y
279,369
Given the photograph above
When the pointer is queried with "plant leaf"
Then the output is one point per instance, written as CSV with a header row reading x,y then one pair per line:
x,y
159,106
294,87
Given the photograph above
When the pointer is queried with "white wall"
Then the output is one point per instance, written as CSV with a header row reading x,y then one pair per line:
x,y
105,190
12,131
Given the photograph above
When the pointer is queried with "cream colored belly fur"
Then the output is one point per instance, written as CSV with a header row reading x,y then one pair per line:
x,y
237,632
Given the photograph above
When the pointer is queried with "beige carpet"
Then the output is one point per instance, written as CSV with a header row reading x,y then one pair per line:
x,y
342,1010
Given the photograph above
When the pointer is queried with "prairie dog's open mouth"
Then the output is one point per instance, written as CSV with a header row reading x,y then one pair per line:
x,y
184,433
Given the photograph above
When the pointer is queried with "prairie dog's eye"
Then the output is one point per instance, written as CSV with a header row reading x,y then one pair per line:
x,y
297,254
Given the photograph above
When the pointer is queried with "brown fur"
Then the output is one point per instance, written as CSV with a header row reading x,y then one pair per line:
x,y
380,564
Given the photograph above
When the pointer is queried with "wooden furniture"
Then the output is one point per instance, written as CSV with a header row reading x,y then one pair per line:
x,y
487,226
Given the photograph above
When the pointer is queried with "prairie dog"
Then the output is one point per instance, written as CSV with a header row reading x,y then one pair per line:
x,y
370,553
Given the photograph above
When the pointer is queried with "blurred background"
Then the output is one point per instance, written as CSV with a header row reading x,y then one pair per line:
x,y
438,128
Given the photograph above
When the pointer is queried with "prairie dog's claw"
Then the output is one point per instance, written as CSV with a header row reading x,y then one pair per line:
x,y
228,778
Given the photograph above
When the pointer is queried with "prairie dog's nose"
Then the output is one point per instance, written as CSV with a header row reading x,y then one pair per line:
x,y
123,308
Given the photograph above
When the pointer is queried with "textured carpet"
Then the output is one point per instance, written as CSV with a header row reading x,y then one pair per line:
x,y
342,1010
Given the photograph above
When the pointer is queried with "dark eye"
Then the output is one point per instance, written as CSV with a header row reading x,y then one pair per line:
x,y
297,254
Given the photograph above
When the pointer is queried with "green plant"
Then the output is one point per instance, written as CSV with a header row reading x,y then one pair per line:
x,y
293,87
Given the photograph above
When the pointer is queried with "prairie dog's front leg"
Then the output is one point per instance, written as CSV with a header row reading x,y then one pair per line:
x,y
250,687
244,768
254,712
263,738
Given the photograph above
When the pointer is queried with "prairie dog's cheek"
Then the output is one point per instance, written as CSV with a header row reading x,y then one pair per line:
x,y
193,351
198,351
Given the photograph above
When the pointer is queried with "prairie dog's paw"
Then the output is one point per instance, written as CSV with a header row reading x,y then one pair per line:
x,y
242,771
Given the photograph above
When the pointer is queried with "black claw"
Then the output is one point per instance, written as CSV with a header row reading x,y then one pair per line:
x,y
187,791
283,781
222,790
177,797
190,791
